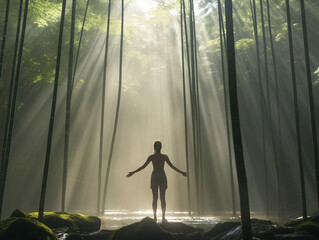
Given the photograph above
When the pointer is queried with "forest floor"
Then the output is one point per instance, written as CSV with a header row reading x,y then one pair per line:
x,y
121,225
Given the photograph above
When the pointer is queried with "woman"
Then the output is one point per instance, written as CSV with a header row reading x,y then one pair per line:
x,y
158,179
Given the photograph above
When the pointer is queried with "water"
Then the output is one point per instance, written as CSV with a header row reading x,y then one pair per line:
x,y
118,218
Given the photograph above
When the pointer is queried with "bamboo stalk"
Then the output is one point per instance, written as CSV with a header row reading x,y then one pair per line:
x,y
4,36
226,110
52,116
117,110
185,111
198,120
262,103
10,110
68,106
239,157
194,102
79,46
279,152
311,101
102,112
269,109
293,75
192,99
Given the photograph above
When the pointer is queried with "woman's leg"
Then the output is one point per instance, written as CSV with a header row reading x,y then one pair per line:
x,y
163,202
155,197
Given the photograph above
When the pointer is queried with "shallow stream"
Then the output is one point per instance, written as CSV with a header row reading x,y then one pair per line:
x,y
119,218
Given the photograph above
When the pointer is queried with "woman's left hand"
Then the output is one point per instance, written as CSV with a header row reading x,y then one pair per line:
x,y
129,174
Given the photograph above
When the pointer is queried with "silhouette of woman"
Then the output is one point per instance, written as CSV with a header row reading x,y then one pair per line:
x,y
158,178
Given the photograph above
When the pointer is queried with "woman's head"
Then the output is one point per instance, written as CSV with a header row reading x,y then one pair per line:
x,y
157,146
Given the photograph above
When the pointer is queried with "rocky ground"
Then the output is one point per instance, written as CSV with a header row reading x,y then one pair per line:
x,y
74,226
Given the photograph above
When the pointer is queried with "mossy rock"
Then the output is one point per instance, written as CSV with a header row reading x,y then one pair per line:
x,y
146,229
24,228
296,222
18,213
309,227
74,221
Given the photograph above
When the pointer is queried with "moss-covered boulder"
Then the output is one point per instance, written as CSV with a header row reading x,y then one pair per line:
x,y
146,229
75,221
18,213
24,228
310,227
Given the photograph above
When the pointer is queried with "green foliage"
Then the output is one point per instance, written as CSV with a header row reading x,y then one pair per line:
x,y
44,13
245,44
211,46
160,24
282,34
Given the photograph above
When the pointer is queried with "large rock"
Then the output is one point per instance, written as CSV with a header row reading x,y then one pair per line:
x,y
222,229
24,228
18,213
76,222
295,222
178,227
312,228
261,229
315,219
182,231
146,229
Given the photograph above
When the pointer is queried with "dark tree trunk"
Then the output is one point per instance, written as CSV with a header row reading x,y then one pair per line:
x,y
10,112
52,116
293,73
311,101
233,99
117,110
226,109
99,210
4,36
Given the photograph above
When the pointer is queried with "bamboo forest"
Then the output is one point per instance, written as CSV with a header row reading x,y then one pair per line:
x,y
226,92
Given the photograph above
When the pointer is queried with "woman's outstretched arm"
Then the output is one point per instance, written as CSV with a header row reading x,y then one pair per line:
x,y
140,168
175,168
